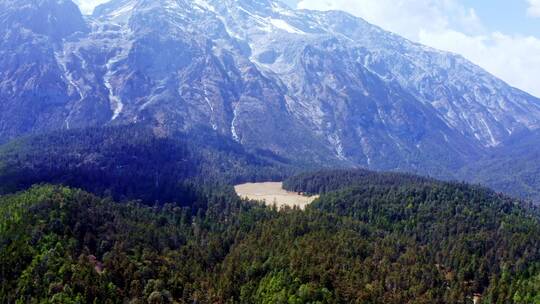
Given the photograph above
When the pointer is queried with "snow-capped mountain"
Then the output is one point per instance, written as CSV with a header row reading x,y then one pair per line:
x,y
320,86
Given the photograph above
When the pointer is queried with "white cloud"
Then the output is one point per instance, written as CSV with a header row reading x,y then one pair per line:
x,y
513,59
406,17
449,25
534,8
87,6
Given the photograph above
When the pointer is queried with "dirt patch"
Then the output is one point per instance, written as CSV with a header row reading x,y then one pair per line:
x,y
273,194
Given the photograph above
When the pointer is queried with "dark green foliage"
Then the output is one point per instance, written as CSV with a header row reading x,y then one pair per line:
x,y
375,239
131,162
331,180
60,246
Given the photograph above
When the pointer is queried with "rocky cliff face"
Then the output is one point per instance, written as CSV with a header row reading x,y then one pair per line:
x,y
318,86
37,87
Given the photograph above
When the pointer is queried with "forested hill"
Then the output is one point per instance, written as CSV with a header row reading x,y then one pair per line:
x,y
374,239
324,181
132,162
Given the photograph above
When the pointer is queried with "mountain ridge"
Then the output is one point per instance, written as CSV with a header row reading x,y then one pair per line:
x,y
284,80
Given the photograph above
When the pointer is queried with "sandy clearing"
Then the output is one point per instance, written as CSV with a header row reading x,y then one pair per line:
x,y
272,193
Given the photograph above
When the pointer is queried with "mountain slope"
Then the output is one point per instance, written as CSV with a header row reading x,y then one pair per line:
x,y
324,87
36,87
132,162
512,168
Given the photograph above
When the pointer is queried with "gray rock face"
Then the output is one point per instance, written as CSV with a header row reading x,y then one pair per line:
x,y
317,86
37,86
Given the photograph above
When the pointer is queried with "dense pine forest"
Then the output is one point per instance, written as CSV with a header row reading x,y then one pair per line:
x,y
132,162
158,221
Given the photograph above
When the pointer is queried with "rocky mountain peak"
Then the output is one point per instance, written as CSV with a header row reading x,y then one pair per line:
x,y
53,18
322,86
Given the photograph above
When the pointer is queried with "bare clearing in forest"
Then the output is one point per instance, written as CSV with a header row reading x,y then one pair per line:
x,y
273,193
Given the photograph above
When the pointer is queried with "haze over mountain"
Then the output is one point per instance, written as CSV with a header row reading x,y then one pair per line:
x,y
325,87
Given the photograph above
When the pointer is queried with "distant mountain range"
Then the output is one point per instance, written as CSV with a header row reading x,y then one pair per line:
x,y
321,87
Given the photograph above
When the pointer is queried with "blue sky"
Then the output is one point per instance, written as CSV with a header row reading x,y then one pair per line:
x,y
509,16
502,36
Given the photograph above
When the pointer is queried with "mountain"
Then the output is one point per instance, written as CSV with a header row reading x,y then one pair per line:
x,y
370,239
123,132
512,168
323,87
33,92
